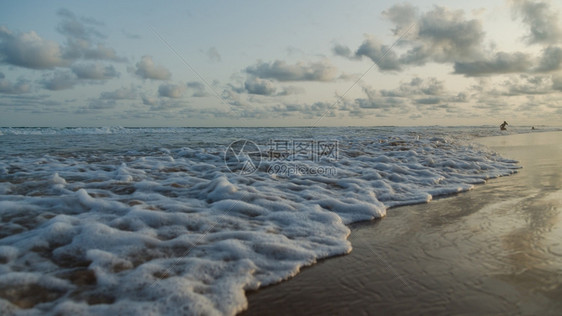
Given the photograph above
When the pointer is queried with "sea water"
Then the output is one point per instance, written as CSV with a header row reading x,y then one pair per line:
x,y
185,220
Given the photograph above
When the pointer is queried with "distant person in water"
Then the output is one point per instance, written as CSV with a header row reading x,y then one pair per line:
x,y
502,126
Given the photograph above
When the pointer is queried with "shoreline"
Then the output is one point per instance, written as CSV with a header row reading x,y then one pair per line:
x,y
493,249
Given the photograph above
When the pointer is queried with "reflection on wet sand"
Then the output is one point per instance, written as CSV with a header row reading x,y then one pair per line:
x,y
494,250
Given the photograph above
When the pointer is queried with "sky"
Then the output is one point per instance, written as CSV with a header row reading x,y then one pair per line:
x,y
280,63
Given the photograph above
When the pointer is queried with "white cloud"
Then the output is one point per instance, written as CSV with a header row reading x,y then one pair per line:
x,y
147,69
59,80
213,55
259,86
7,87
551,59
120,94
341,50
542,20
528,85
83,38
102,52
29,50
146,100
198,89
95,71
440,35
281,71
101,104
402,15
501,63
72,26
174,91
379,54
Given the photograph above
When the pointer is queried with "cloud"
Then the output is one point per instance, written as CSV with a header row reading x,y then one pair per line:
x,y
501,63
147,69
102,52
130,35
416,87
167,108
551,59
542,20
379,103
101,104
83,38
263,87
424,93
289,90
94,71
29,50
528,85
460,97
174,91
375,101
341,50
59,80
509,95
27,102
446,36
198,89
402,15
431,100
443,36
70,26
213,55
7,87
120,94
440,35
379,54
281,71
557,82
234,98
78,48
149,100
259,86
307,111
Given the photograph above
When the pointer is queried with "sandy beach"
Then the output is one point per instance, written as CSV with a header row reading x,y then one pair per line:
x,y
494,250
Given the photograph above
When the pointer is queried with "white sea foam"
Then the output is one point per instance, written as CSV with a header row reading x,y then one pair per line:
x,y
158,225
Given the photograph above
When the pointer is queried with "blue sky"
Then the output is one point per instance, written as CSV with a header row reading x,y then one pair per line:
x,y
269,63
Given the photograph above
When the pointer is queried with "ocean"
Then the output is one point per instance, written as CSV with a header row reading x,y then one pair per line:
x,y
185,220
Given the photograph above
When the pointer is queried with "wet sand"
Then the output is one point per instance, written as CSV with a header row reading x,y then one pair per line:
x,y
494,250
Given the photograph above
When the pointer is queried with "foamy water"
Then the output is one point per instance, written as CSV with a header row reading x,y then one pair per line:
x,y
152,221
